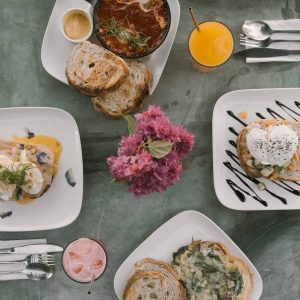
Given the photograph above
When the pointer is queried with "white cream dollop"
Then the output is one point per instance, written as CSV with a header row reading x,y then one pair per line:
x,y
274,146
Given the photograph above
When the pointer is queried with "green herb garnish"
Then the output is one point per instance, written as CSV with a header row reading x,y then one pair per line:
x,y
133,39
17,177
237,278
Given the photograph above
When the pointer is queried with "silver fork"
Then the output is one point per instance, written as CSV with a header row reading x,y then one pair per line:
x,y
245,41
34,258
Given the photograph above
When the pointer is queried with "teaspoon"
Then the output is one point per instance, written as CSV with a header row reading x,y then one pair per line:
x,y
258,30
34,271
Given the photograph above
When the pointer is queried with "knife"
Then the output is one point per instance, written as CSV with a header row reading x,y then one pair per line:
x,y
265,52
33,249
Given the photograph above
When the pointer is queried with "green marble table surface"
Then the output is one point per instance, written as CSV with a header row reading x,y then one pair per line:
x,y
269,239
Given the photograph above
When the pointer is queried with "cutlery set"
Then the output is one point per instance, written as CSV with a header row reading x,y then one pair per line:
x,y
37,265
258,41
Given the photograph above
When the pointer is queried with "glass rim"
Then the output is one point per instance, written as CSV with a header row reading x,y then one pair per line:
x,y
215,66
102,245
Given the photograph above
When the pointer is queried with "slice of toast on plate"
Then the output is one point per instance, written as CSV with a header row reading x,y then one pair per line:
x,y
128,97
91,69
289,171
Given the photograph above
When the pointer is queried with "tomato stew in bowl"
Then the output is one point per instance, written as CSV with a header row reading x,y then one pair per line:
x,y
132,28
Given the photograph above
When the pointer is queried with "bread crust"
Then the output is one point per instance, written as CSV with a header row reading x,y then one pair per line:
x,y
168,268
129,291
129,96
92,69
244,154
152,268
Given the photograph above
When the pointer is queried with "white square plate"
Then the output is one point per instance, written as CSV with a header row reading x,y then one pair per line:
x,y
177,232
61,204
231,186
56,47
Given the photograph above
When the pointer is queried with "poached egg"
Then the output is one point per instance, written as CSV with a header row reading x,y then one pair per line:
x,y
274,146
33,177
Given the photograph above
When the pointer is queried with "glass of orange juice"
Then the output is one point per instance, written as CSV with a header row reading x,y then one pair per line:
x,y
212,45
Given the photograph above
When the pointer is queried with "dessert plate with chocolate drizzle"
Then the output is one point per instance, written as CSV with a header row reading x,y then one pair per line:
x,y
232,112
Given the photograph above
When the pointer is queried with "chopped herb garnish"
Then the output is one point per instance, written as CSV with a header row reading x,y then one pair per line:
x,y
133,39
17,176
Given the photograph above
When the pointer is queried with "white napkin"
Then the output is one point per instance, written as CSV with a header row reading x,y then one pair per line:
x,y
16,243
282,25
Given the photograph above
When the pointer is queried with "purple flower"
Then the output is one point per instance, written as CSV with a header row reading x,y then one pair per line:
x,y
135,164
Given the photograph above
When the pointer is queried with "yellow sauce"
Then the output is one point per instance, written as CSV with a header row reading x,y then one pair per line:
x,y
45,140
76,25
212,45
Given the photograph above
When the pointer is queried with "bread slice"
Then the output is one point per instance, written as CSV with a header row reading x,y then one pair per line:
x,y
244,154
91,69
128,97
210,272
146,286
175,290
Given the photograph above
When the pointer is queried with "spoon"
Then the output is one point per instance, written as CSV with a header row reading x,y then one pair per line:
x,y
34,271
258,30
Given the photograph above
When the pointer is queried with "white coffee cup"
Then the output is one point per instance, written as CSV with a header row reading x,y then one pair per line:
x,y
75,20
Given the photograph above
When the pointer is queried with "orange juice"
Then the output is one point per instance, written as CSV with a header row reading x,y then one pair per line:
x,y
212,45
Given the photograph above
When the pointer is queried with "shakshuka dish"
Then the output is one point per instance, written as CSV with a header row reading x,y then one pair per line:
x,y
132,28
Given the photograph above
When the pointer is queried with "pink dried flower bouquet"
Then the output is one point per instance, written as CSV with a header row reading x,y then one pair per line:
x,y
150,158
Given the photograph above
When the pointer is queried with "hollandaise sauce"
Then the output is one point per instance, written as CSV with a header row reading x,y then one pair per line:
x,y
48,141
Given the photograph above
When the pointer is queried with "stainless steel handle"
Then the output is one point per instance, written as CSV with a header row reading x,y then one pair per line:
x,y
6,251
12,276
12,266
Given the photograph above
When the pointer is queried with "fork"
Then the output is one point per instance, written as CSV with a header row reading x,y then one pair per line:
x,y
34,258
245,41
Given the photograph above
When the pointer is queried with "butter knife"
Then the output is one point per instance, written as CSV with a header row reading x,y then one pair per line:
x,y
13,276
33,249
265,52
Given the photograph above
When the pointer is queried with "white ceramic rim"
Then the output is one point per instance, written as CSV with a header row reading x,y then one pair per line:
x,y
87,14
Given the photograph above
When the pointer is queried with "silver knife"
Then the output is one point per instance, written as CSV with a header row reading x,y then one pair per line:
x,y
13,276
265,52
33,249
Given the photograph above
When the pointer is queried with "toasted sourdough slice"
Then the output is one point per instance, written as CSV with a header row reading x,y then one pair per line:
x,y
244,154
91,69
210,272
175,290
129,95
146,286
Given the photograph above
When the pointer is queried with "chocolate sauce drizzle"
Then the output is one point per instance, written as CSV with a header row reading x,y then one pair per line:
x,y
232,130
233,143
241,192
237,173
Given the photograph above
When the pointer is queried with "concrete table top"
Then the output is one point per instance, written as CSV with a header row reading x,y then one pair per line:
x,y
270,239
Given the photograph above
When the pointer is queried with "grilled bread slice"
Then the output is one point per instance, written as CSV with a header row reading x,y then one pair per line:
x,y
175,290
146,286
210,272
128,97
91,69
257,171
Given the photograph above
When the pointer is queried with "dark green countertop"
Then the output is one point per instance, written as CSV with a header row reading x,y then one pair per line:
x,y
270,239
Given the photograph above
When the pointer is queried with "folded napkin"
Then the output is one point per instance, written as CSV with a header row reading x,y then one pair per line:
x,y
290,45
